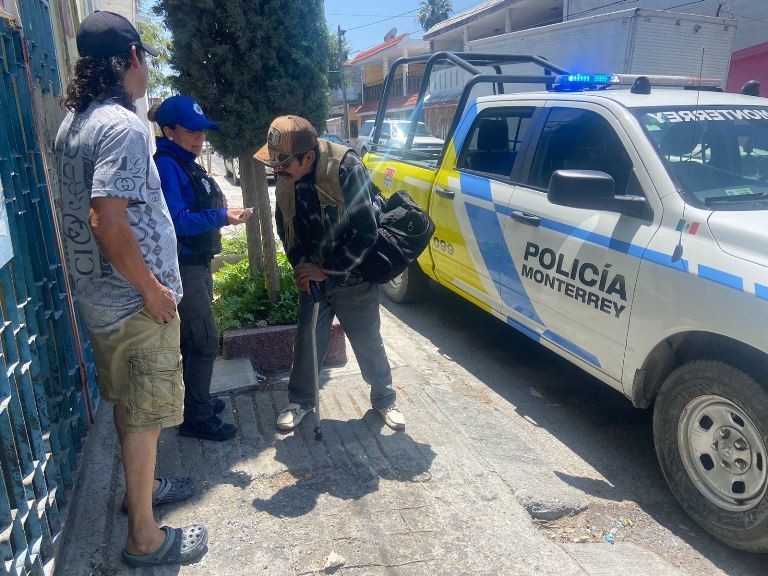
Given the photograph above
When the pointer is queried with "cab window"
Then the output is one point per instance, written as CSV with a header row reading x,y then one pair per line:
x,y
494,141
575,139
367,128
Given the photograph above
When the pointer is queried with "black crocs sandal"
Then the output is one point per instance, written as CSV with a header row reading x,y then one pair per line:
x,y
181,545
170,490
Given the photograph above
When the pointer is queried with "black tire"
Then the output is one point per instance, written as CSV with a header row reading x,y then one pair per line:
x,y
710,426
411,285
363,152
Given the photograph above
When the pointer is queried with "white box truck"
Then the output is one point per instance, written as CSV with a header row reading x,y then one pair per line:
x,y
634,41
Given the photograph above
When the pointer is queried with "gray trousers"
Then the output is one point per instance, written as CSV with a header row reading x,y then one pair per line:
x,y
199,340
357,308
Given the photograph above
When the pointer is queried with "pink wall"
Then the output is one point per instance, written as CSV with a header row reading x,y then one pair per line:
x,y
749,64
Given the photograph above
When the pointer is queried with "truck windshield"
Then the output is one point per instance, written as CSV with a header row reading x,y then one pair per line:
x,y
718,155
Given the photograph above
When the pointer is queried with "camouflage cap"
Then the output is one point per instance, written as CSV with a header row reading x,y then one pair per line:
x,y
287,136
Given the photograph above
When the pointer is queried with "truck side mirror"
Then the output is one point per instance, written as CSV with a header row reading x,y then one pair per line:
x,y
594,190
579,187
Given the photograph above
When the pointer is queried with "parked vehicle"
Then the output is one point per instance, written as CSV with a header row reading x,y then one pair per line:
x,y
394,134
621,223
335,138
232,170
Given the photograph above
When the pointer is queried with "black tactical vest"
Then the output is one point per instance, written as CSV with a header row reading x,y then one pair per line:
x,y
207,195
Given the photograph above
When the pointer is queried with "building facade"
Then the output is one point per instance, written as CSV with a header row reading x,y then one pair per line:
x,y
48,392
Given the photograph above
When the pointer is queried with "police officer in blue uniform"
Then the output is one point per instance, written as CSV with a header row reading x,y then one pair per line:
x,y
198,209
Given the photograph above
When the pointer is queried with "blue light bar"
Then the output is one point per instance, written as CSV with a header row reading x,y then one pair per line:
x,y
589,79
577,82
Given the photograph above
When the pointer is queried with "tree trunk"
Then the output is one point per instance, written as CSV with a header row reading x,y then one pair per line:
x,y
267,234
252,227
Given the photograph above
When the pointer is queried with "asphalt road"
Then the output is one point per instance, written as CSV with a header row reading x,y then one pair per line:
x,y
591,435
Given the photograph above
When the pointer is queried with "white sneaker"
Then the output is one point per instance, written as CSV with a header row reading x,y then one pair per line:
x,y
291,416
392,417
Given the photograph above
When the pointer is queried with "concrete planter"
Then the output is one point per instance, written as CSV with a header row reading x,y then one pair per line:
x,y
271,348
219,259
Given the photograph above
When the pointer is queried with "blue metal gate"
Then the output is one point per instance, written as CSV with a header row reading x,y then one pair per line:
x,y
47,382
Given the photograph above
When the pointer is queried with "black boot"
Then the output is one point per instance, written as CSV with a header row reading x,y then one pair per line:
x,y
218,405
211,429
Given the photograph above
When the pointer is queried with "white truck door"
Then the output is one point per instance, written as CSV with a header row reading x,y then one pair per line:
x,y
472,184
579,266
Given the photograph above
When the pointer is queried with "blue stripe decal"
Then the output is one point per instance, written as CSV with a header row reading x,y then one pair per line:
x,y
476,186
498,260
761,291
523,329
616,245
721,277
593,237
666,260
557,339
571,347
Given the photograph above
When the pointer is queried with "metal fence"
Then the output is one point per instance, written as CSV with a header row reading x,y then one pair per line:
x,y
47,381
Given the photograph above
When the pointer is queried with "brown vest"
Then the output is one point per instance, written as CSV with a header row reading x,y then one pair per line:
x,y
327,185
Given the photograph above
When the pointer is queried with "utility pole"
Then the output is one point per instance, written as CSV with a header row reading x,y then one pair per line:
x,y
343,85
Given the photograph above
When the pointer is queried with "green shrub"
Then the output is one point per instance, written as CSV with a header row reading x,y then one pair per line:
x,y
241,301
234,244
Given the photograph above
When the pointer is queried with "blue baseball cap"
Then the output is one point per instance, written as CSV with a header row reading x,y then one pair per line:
x,y
184,111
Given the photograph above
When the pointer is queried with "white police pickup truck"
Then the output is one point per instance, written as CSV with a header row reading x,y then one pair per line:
x,y
623,223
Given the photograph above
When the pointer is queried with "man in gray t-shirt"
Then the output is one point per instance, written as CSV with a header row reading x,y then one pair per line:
x,y
120,249
104,153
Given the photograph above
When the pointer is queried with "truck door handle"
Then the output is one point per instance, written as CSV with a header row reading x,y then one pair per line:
x,y
525,218
445,193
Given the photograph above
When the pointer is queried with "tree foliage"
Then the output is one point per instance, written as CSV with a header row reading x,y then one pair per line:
x,y
154,34
433,12
334,78
249,61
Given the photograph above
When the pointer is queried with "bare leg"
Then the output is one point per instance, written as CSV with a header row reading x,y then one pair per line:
x,y
139,457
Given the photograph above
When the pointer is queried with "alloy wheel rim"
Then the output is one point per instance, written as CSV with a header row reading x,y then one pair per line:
x,y
723,453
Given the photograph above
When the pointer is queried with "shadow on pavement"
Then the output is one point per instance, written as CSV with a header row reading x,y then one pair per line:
x,y
359,454
594,421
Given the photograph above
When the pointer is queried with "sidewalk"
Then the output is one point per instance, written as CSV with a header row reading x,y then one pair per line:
x,y
430,501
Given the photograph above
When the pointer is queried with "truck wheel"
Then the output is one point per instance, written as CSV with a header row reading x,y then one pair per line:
x,y
408,287
709,425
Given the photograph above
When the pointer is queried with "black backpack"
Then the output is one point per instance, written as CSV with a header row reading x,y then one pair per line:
x,y
404,232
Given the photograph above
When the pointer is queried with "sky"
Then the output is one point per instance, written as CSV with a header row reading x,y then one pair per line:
x,y
366,23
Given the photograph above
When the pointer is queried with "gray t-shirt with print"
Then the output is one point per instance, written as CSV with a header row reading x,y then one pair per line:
x,y
104,153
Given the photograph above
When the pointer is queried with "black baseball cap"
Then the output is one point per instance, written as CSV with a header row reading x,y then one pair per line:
x,y
108,34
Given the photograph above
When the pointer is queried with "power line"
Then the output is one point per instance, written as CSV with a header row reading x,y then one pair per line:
x,y
686,4
364,49
354,15
383,20
602,6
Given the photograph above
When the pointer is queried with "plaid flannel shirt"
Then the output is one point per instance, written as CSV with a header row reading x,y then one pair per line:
x,y
321,237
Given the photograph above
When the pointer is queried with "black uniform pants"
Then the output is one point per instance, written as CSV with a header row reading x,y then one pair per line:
x,y
199,340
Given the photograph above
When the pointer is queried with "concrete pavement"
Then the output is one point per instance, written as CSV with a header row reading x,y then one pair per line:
x,y
439,499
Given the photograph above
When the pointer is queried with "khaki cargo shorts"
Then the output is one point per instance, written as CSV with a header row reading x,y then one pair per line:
x,y
139,367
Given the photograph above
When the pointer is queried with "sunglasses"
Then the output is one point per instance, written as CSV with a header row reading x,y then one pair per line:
x,y
283,160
